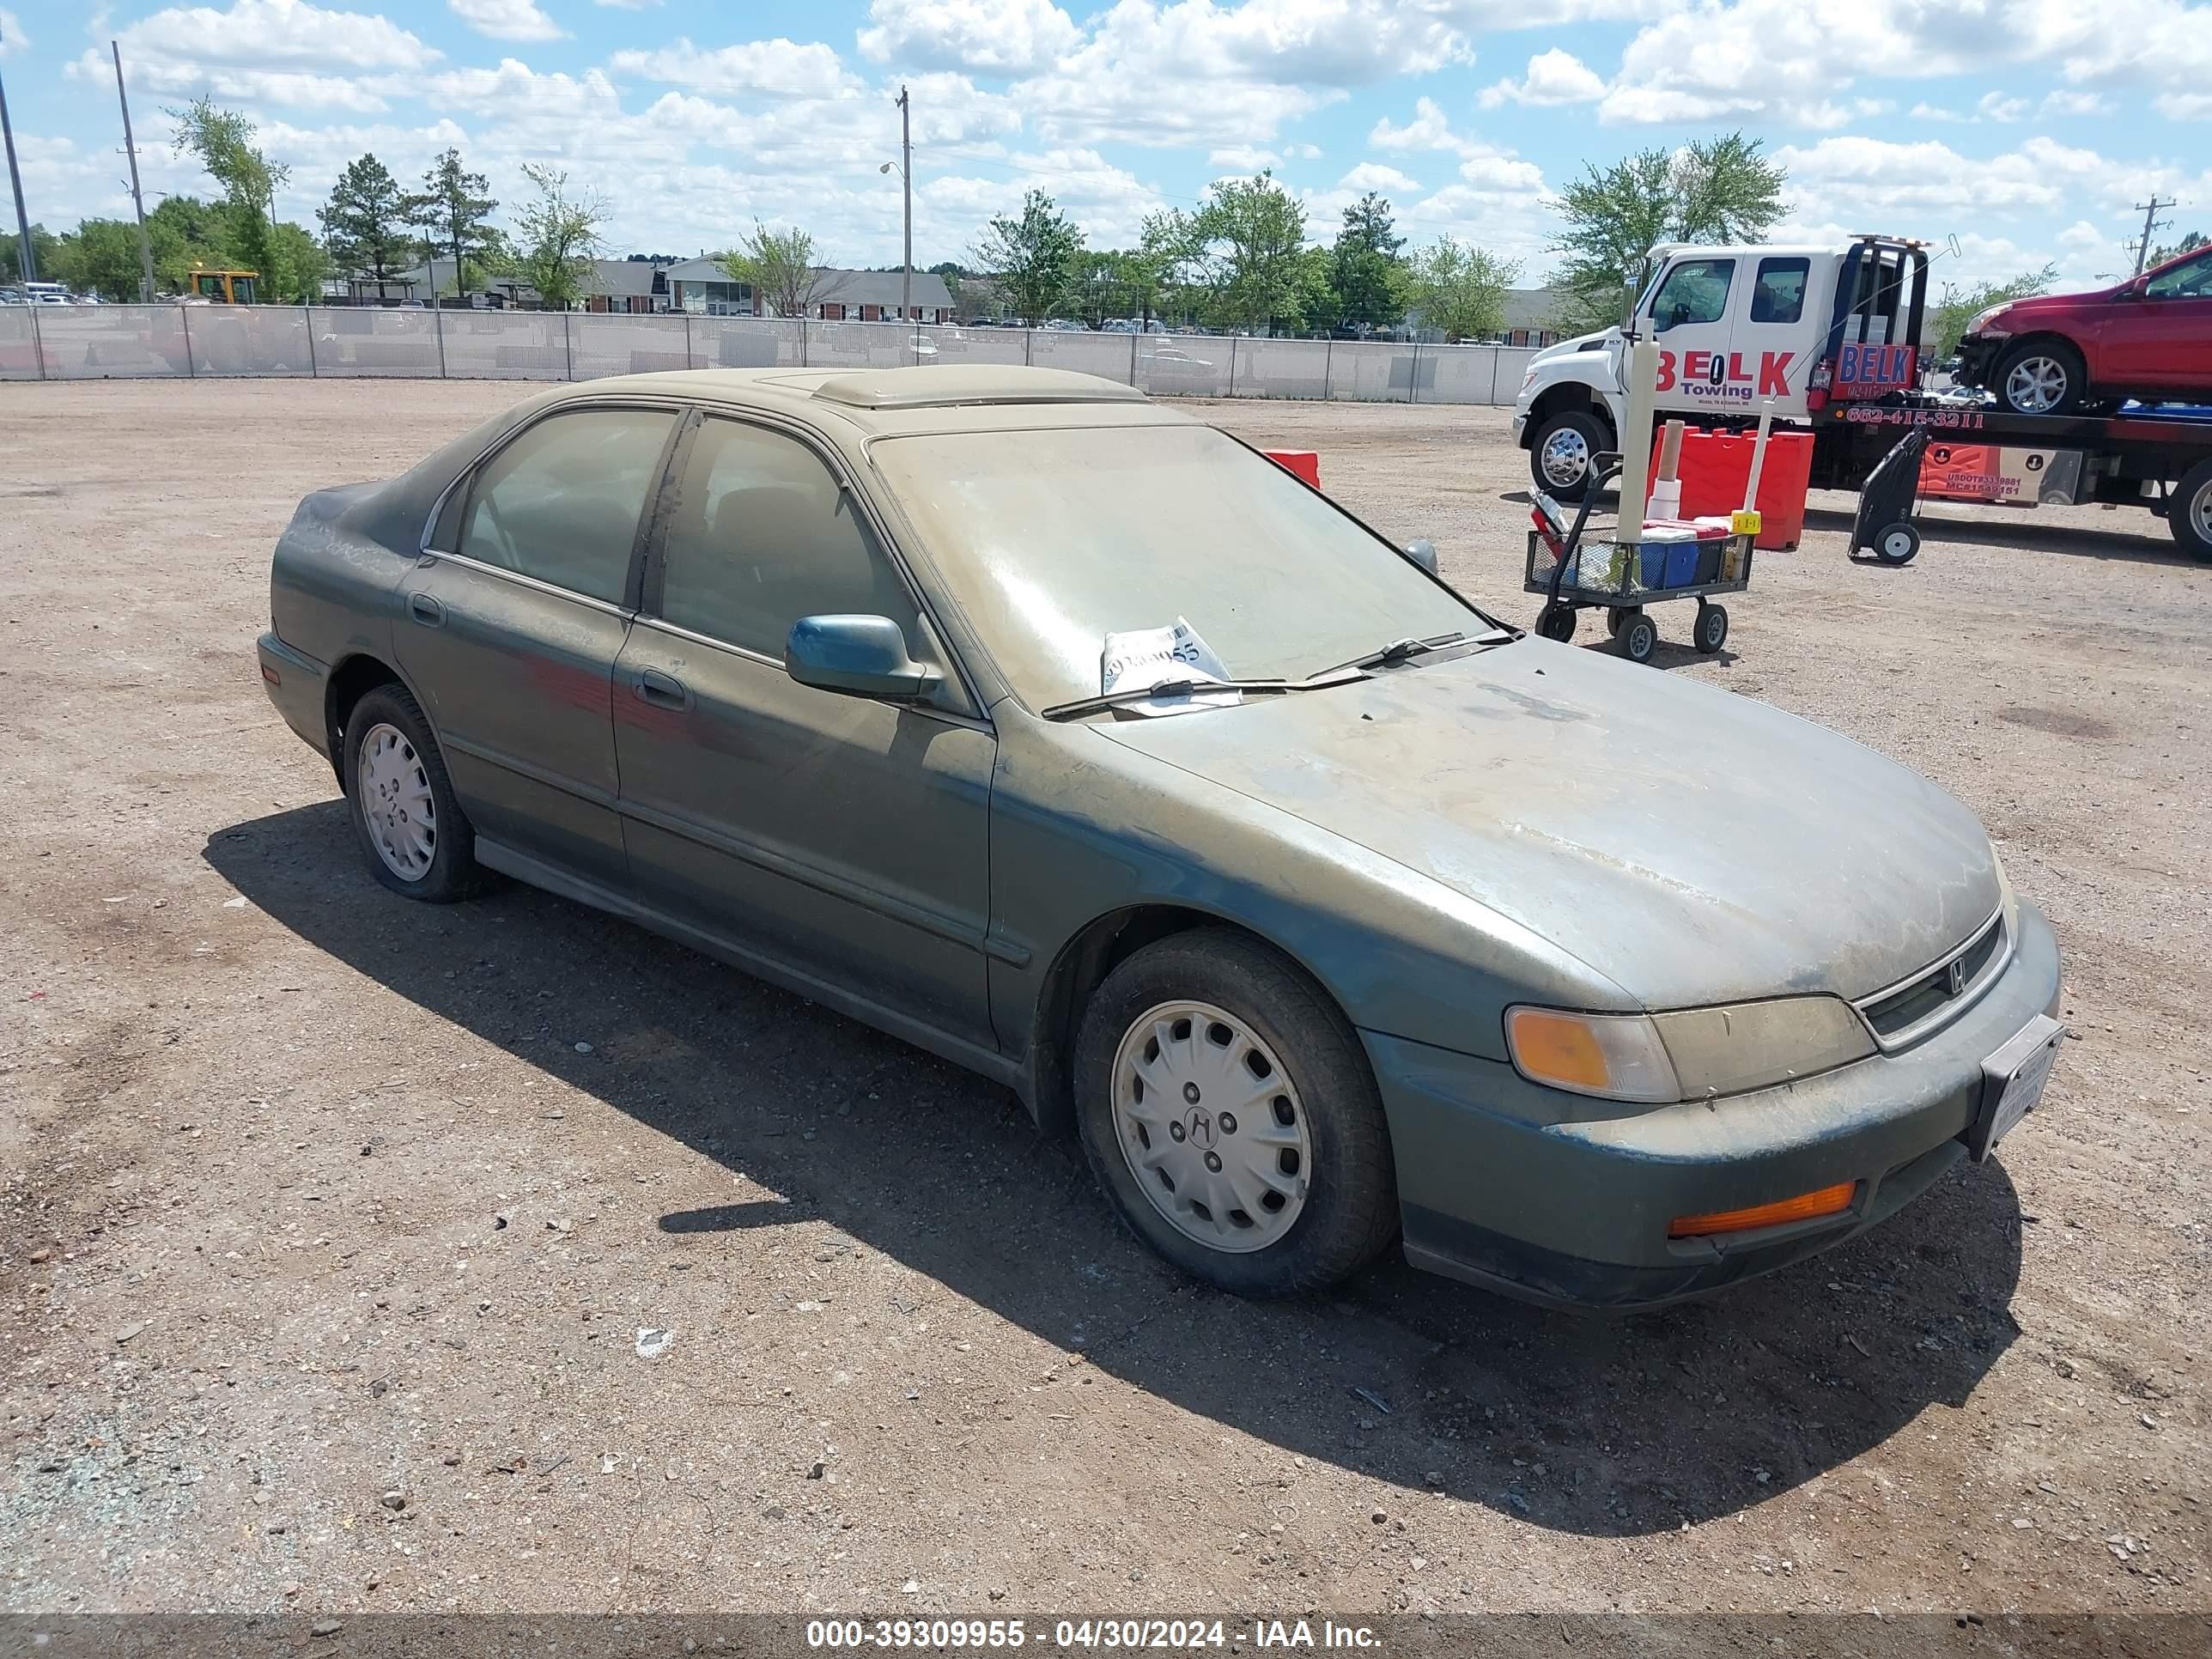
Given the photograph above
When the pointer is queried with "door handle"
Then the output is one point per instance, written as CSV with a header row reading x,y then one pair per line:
x,y
663,689
425,609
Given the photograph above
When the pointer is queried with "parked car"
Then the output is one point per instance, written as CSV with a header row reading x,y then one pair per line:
x,y
1598,987
2149,338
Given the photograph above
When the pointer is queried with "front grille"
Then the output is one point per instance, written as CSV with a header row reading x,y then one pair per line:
x,y
1953,979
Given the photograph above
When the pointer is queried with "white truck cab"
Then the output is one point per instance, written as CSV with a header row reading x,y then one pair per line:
x,y
1735,326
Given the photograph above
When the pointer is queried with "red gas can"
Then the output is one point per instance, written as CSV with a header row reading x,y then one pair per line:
x,y
1716,464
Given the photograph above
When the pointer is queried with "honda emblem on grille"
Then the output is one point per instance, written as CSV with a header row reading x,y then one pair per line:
x,y
1956,972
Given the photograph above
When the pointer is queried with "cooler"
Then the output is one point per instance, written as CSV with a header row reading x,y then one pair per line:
x,y
1715,466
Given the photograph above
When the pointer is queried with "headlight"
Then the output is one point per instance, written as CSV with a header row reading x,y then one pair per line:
x,y
1529,379
1695,1054
1983,318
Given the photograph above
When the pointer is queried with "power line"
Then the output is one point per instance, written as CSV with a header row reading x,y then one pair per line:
x,y
2151,222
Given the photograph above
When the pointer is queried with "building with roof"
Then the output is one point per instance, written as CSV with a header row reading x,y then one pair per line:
x,y
703,287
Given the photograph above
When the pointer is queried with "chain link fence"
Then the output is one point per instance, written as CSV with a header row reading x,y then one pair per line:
x,y
75,343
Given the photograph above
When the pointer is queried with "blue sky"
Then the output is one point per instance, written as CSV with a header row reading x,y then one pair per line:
x,y
2024,128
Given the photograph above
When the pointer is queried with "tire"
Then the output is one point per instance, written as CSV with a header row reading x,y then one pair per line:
x,y
1334,1201
1616,618
393,771
1565,436
2040,377
1638,637
1711,632
1556,622
1896,543
2189,514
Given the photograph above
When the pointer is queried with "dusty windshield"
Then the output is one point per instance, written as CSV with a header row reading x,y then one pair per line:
x,y
1052,540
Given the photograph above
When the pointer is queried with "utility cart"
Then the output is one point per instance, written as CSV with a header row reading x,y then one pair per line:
x,y
1574,574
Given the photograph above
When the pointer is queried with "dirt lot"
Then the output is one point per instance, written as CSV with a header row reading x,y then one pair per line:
x,y
312,1196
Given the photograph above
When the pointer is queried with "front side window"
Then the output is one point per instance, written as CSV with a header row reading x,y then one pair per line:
x,y
2190,280
765,533
1695,291
1778,294
562,501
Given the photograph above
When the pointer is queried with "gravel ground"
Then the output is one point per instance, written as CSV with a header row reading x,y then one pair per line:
x,y
330,1225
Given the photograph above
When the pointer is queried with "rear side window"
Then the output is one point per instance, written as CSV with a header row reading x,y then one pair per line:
x,y
1695,291
763,534
562,502
1778,294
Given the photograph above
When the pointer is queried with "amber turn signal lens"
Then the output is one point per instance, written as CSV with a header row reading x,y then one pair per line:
x,y
1558,1048
1829,1200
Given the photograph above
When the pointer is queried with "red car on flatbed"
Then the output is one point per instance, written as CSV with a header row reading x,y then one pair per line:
x,y
2150,339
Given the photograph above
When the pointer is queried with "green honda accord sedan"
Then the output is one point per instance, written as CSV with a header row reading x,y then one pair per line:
x,y
1061,734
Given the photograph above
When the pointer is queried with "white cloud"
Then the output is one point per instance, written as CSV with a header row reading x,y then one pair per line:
x,y
1242,159
286,52
2056,104
783,66
1553,77
1374,176
999,36
627,5
1999,107
12,38
508,19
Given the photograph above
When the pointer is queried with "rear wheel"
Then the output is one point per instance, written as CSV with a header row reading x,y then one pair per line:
x,y
1556,622
2189,514
1561,453
1638,637
2041,377
1711,629
405,810
1896,543
1228,1109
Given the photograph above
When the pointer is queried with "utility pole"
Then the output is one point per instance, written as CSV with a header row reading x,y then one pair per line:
x,y
137,200
30,267
906,182
2151,222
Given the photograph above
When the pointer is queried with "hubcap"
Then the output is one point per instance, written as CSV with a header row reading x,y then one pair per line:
x,y
1899,545
1566,458
2035,383
2201,512
1211,1126
396,801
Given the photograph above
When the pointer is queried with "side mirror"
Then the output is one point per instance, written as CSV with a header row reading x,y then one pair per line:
x,y
1423,553
858,656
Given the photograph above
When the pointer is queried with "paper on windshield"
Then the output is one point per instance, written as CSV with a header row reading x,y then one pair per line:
x,y
1149,656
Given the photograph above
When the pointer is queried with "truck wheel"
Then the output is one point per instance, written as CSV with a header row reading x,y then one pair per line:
x,y
1896,543
2041,377
2189,514
1560,454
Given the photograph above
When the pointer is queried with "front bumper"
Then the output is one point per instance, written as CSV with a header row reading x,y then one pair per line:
x,y
1977,358
298,690
1494,1189
1520,426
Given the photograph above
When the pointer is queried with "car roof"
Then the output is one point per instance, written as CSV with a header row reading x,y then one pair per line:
x,y
900,402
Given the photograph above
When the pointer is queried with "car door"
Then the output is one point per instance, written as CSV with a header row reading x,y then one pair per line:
x,y
2161,341
1689,318
1771,339
839,836
510,627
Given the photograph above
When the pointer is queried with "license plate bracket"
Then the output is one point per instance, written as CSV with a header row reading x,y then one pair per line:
x,y
2012,1079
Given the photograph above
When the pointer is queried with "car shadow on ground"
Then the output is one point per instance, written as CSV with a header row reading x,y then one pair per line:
x,y
1601,1426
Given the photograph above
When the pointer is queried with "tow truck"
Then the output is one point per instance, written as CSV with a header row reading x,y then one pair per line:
x,y
1830,336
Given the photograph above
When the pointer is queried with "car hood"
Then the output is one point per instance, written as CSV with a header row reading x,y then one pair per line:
x,y
1690,845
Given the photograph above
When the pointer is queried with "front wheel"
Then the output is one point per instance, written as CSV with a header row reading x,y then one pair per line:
x,y
1896,543
2041,377
1228,1109
2189,514
1638,638
1556,622
404,809
1711,630
1561,453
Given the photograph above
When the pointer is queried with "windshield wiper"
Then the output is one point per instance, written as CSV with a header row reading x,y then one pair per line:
x,y
1398,651
1135,694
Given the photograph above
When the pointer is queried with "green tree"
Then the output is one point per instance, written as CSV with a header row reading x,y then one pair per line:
x,y
100,256
222,140
45,245
304,261
185,232
453,212
365,223
1461,289
1251,237
781,266
559,236
1033,256
1956,306
1365,269
2158,256
1715,190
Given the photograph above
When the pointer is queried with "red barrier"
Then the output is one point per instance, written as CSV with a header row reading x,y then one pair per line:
x,y
1303,463
1715,466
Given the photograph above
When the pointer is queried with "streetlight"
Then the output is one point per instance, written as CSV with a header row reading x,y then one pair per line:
x,y
905,166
